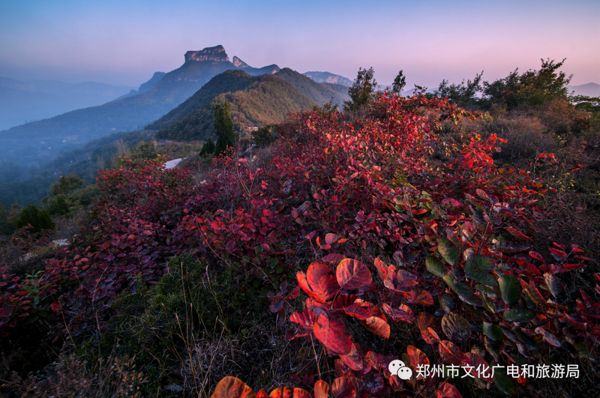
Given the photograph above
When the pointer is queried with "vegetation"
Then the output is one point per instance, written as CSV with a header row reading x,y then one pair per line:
x,y
38,219
224,128
420,231
362,91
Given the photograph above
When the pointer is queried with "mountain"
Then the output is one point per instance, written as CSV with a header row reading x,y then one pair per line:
x,y
23,101
326,77
254,101
145,87
318,92
590,89
42,140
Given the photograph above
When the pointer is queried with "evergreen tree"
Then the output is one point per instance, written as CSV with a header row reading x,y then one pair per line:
x,y
362,91
208,148
38,219
399,83
224,128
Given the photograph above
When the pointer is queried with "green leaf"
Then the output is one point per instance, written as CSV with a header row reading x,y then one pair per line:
x,y
554,284
456,328
435,266
487,303
518,315
505,384
447,302
458,287
483,263
510,288
492,331
448,251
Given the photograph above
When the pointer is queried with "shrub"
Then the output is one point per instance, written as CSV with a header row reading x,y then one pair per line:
x,y
38,219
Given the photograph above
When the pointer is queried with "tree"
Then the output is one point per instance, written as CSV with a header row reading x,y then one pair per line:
x,y
38,219
399,83
224,128
362,91
534,87
461,94
208,148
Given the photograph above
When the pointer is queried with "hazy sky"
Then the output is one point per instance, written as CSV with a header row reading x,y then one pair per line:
x,y
125,41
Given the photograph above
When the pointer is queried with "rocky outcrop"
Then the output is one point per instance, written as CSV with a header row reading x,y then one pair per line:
x,y
215,54
238,63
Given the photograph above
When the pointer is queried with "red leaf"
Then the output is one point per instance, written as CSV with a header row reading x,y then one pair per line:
x,y
320,283
452,354
333,258
381,269
558,254
422,298
518,234
362,310
5,312
404,313
377,326
55,307
342,387
537,256
352,274
353,359
416,356
330,239
306,319
476,362
425,321
287,392
332,333
321,389
232,387
447,390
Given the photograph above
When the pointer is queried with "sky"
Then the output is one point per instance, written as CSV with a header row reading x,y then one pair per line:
x,y
123,42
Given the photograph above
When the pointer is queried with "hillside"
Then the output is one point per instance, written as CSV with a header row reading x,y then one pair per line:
x,y
254,101
319,92
74,129
255,113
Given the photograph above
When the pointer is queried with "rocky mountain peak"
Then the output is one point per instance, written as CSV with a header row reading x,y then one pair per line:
x,y
216,54
238,63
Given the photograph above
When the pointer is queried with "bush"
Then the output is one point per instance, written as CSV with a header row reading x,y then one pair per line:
x,y
39,219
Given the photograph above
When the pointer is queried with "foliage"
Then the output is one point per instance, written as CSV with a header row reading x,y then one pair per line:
x,y
208,148
224,128
38,219
399,83
265,135
362,91
534,87
369,226
461,94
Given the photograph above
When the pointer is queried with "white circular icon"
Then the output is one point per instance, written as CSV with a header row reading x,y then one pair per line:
x,y
398,368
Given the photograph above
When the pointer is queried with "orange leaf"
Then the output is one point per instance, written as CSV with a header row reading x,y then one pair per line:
x,y
232,387
321,389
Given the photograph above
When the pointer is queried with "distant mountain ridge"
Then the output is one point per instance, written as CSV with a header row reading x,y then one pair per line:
x,y
590,89
23,101
327,77
75,128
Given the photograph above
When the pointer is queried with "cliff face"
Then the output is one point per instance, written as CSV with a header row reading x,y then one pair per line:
x,y
215,54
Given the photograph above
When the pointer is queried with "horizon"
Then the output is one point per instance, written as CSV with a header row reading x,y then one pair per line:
x,y
123,44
